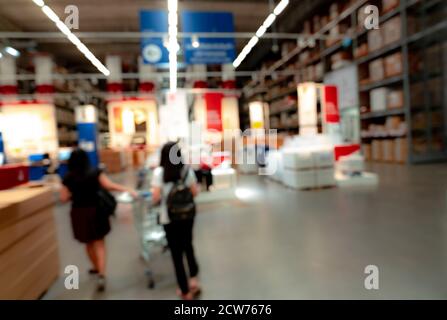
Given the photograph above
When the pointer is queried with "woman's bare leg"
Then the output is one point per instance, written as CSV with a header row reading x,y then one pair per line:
x,y
92,255
100,252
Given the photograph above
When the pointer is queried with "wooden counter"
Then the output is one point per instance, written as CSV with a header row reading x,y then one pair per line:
x,y
29,260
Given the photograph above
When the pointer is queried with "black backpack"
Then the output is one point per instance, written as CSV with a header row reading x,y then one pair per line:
x,y
180,201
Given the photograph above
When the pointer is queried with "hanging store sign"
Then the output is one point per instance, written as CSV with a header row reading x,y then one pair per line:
x,y
153,50
208,50
214,111
330,102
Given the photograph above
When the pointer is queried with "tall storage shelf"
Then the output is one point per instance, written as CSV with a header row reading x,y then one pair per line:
x,y
402,95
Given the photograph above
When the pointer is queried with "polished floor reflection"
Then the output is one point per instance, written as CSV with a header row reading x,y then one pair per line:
x,y
275,243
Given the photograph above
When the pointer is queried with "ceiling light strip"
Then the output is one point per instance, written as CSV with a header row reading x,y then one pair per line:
x,y
260,32
74,39
173,45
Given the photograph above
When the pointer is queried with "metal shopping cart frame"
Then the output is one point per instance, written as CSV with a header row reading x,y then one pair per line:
x,y
151,234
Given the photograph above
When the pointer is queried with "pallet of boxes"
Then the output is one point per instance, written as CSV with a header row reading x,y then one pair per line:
x,y
308,169
29,259
114,161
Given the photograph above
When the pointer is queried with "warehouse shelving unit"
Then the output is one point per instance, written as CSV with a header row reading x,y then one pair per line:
x,y
423,25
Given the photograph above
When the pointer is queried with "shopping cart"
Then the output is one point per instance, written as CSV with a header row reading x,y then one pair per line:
x,y
151,234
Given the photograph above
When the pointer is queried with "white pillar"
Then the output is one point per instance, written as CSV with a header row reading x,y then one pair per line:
x,y
115,79
8,78
43,66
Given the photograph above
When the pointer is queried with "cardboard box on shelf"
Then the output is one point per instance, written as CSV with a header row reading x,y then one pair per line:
x,y
361,50
376,150
376,70
378,99
393,65
392,123
395,99
388,150
392,31
366,150
375,40
400,150
388,5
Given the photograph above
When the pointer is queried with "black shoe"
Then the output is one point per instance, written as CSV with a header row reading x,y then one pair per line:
x,y
101,284
93,271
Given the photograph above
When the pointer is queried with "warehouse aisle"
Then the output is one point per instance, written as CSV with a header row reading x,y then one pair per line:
x,y
276,243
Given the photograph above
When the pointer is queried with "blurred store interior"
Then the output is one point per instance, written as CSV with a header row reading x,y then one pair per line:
x,y
317,130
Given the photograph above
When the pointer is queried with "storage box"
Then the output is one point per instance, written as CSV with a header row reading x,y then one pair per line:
x,y
298,160
376,70
393,65
304,179
401,150
392,123
395,99
388,150
325,177
375,40
378,99
376,150
324,158
392,31
361,50
366,150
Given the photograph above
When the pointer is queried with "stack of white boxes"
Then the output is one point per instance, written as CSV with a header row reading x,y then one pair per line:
x,y
308,169
247,160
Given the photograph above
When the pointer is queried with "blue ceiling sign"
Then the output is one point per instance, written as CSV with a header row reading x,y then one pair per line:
x,y
209,50
153,50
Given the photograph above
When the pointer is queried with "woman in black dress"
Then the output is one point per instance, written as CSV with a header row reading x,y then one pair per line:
x,y
81,185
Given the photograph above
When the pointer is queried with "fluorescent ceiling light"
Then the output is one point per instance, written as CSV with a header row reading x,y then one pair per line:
x,y
74,39
63,28
269,21
253,41
173,46
280,7
173,5
13,52
40,3
260,32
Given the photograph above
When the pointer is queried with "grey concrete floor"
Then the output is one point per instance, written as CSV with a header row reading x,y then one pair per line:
x,y
277,243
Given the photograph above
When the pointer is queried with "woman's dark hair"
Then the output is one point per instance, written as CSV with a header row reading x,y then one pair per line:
x,y
171,162
78,163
